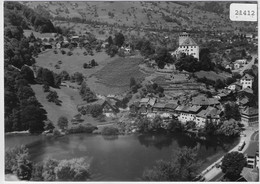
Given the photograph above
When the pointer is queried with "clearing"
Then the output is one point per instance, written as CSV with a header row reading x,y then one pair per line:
x,y
73,63
115,76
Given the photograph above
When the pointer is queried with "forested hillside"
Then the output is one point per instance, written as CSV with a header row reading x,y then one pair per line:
x,y
22,110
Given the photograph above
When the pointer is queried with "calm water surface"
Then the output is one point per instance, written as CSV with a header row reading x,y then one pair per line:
x,y
121,158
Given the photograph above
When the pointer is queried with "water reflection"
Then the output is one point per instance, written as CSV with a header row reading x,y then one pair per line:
x,y
110,137
158,141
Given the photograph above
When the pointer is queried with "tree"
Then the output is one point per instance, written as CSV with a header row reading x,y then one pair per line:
x,y
64,75
163,57
32,118
219,84
63,122
27,74
73,170
110,41
182,167
78,77
96,110
53,97
48,171
233,164
46,87
49,125
132,82
231,110
229,128
86,93
119,39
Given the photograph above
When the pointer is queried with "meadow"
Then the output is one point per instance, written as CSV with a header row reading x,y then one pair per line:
x,y
73,63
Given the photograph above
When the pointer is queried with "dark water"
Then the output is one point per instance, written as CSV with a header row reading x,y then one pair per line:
x,y
121,158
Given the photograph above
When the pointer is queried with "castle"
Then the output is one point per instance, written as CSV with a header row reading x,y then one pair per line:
x,y
187,45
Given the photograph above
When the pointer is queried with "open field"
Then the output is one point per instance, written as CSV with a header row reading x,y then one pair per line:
x,y
117,74
212,75
70,99
73,63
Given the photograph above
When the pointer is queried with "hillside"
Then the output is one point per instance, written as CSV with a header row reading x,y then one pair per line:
x,y
16,14
196,16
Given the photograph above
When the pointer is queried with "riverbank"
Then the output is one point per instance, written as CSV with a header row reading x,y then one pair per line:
x,y
212,170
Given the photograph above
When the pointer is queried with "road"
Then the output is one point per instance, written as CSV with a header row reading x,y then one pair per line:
x,y
253,138
211,173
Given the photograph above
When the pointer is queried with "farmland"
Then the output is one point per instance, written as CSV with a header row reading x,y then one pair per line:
x,y
118,73
212,75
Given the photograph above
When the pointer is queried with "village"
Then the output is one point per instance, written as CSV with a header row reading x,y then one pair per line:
x,y
96,82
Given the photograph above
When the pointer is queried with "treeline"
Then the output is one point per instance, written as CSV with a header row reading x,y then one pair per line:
x,y
19,15
22,109
17,162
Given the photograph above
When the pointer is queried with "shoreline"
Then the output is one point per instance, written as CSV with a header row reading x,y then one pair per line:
x,y
212,171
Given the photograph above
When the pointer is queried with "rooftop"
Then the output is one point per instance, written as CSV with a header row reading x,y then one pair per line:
x,y
188,42
248,77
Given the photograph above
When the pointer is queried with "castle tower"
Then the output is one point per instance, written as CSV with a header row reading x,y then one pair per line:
x,y
183,36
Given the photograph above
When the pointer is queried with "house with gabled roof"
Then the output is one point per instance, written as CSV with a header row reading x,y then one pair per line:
x,y
188,113
247,81
249,116
210,114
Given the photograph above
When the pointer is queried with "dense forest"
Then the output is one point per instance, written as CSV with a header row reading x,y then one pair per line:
x,y
22,109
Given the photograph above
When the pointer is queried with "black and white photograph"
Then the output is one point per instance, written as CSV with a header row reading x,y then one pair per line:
x,y
130,91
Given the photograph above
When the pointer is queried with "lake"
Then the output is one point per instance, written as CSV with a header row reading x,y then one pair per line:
x,y
121,158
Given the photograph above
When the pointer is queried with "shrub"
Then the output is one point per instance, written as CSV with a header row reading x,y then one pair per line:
x,y
46,88
17,162
69,53
88,128
73,170
63,52
63,122
110,131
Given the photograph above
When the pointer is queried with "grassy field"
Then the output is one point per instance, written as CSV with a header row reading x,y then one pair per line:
x,y
116,74
73,63
70,99
212,75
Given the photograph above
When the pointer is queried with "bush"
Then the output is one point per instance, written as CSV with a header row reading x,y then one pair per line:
x,y
69,53
63,52
46,88
73,170
88,128
17,162
63,122
109,130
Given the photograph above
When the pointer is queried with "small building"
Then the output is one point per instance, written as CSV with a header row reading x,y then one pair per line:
x,y
251,153
247,81
249,116
58,45
236,86
188,113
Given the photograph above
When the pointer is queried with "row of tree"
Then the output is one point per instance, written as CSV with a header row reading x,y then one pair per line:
x,y
17,162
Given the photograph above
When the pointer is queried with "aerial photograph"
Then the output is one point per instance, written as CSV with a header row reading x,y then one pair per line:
x,y
130,91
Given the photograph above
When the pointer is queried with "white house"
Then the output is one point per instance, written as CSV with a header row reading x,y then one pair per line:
x,y
247,81
187,113
236,86
187,45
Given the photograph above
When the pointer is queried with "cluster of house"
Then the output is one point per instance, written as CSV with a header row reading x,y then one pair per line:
x,y
199,110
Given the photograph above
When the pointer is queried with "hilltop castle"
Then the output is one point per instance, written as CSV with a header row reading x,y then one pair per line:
x,y
187,45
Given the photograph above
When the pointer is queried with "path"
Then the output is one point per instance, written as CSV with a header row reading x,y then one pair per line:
x,y
212,171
